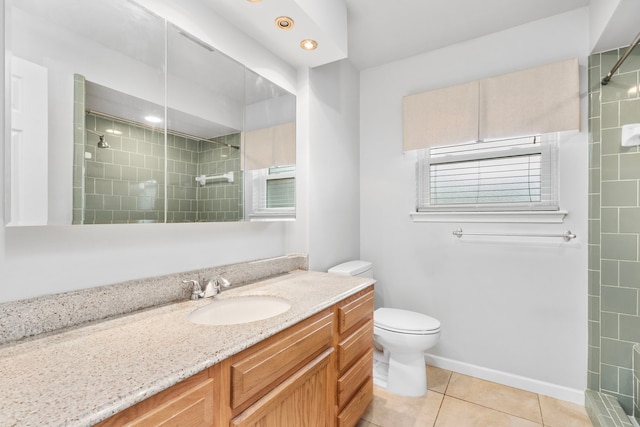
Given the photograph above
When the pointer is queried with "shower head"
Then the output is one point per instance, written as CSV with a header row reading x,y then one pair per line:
x,y
102,143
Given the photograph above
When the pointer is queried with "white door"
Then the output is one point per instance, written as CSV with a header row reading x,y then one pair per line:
x,y
29,143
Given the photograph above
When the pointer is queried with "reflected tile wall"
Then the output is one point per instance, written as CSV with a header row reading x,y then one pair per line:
x,y
614,224
125,183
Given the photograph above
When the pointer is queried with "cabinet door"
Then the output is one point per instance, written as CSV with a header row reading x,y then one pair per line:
x,y
188,403
194,408
300,401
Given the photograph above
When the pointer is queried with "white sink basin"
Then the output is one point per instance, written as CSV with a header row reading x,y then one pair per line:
x,y
233,311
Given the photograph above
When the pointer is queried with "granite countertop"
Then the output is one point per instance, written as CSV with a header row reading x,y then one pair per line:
x,y
81,376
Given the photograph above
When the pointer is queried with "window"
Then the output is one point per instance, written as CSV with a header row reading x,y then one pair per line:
x,y
501,175
273,193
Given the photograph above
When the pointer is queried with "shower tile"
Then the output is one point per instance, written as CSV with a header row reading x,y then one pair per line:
x,y
609,381
620,247
630,274
629,112
129,173
620,193
594,331
616,353
104,186
594,206
136,160
594,282
594,257
594,133
625,381
104,217
619,88
632,63
121,158
630,166
112,202
594,178
144,148
619,300
610,115
609,165
630,220
128,203
112,171
594,80
129,145
144,174
94,201
104,156
611,141
629,328
609,272
609,325
594,358
594,308
609,221
95,170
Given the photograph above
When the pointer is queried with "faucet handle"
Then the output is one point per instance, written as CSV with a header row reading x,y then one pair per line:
x,y
196,290
225,283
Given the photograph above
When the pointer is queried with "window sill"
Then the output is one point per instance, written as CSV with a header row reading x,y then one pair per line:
x,y
272,216
538,217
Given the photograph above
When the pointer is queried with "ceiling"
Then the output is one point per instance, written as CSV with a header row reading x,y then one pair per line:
x,y
380,31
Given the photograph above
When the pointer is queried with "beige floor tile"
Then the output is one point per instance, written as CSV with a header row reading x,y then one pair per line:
x,y
558,413
437,379
520,403
364,423
458,413
391,410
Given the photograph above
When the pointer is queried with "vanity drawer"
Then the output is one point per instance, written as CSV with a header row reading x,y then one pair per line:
x,y
354,309
256,370
350,382
355,345
351,414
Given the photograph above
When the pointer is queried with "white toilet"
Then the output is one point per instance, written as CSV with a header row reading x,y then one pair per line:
x,y
401,337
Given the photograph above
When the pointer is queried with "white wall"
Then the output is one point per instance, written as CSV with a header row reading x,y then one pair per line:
x,y
333,190
45,260
512,310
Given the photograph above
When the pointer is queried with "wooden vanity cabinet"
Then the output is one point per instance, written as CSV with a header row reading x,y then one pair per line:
x,y
188,403
316,373
354,388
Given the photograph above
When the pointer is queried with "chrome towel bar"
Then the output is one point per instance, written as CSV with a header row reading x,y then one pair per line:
x,y
567,235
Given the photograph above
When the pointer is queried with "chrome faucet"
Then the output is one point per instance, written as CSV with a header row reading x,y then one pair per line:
x,y
211,289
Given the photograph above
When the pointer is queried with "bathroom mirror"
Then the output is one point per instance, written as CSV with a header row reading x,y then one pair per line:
x,y
117,116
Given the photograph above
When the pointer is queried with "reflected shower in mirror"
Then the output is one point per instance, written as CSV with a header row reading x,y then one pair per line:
x,y
165,128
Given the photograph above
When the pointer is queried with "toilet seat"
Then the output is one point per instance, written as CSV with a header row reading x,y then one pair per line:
x,y
405,322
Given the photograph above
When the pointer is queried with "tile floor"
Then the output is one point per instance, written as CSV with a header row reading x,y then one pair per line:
x,y
456,400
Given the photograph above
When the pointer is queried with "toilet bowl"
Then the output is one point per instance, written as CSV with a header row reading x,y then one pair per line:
x,y
401,338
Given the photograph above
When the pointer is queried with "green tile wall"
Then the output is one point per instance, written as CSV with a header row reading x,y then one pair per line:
x,y
126,182
614,225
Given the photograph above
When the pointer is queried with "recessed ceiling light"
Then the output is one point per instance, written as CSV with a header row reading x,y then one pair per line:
x,y
308,44
153,119
284,23
254,1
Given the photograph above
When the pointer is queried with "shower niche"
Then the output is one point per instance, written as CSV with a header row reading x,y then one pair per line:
x,y
138,122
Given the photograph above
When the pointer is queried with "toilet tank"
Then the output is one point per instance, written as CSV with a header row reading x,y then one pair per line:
x,y
354,268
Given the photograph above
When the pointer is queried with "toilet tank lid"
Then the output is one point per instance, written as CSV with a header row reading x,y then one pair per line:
x,y
395,319
351,268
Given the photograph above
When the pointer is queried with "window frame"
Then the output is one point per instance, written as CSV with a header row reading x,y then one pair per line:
x,y
547,147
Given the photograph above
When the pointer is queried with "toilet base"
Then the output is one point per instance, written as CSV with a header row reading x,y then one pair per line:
x,y
403,374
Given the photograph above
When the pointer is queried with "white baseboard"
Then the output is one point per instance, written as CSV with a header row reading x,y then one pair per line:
x,y
505,378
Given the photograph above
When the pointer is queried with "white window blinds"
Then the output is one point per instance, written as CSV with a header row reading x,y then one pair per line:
x,y
514,174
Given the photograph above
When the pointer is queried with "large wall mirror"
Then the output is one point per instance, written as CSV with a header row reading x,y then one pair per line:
x,y
117,116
